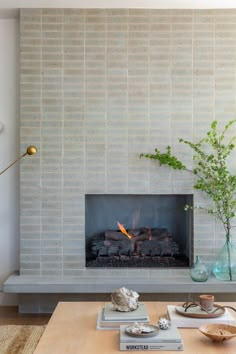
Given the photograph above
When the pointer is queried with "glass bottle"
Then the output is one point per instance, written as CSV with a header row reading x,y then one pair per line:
x,y
199,271
224,267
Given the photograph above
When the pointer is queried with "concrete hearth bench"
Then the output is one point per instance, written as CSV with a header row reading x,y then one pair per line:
x,y
33,284
41,294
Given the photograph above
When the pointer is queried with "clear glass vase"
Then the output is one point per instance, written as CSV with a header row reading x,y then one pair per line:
x,y
224,267
199,271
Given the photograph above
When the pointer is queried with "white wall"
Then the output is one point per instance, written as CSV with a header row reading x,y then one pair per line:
x,y
153,4
9,151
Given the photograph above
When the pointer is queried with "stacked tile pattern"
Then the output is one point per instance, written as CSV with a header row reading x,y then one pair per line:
x,y
98,87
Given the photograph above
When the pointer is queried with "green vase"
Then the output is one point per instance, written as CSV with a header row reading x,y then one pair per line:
x,y
224,267
199,271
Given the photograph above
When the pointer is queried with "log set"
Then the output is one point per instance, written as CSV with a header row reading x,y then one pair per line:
x,y
145,248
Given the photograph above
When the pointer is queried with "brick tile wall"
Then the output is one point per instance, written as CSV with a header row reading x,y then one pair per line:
x,y
98,87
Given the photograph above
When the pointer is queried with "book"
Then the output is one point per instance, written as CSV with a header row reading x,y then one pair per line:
x,y
192,322
115,324
140,314
154,346
164,340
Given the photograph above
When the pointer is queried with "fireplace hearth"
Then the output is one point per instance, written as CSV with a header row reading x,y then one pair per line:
x,y
159,232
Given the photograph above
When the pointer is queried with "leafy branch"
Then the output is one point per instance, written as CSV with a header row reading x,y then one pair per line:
x,y
213,177
166,159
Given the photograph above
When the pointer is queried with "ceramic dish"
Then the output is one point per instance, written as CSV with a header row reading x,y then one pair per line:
x,y
153,333
197,312
218,332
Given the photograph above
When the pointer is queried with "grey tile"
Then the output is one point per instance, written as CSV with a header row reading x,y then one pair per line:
x,y
99,86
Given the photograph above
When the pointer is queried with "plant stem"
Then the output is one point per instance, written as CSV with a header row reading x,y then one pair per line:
x,y
228,251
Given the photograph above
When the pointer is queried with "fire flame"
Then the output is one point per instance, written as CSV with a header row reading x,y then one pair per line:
x,y
149,232
123,230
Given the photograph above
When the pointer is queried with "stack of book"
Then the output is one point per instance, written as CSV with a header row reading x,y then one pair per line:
x,y
169,339
111,319
179,320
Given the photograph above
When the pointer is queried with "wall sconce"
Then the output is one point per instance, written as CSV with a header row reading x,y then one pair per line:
x,y
31,150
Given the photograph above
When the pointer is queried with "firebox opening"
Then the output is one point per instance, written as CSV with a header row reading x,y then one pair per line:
x,y
138,230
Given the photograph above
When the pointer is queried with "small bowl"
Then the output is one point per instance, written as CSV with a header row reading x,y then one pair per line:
x,y
218,332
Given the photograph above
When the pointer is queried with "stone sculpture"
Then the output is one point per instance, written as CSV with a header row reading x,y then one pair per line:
x,y
124,300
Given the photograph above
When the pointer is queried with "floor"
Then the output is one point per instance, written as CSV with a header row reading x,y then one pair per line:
x,y
10,315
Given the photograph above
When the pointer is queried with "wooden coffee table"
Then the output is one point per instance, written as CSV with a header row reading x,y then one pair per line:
x,y
72,330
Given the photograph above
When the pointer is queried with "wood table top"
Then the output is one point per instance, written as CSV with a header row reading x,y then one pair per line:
x,y
72,330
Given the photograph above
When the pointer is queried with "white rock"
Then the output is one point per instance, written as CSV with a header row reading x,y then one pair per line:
x,y
124,300
139,328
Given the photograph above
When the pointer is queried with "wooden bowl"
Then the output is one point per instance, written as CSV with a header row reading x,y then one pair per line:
x,y
218,332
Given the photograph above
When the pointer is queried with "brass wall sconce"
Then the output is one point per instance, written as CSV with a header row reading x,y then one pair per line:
x,y
31,150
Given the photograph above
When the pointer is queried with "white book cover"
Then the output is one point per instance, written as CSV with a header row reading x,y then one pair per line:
x,y
112,315
104,324
164,340
192,322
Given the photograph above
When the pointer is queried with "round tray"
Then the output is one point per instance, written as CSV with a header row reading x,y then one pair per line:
x,y
143,335
197,312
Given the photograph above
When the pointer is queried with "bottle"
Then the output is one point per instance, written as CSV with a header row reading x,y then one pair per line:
x,y
199,271
224,267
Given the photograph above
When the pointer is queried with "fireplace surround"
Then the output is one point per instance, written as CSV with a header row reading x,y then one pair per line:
x,y
99,87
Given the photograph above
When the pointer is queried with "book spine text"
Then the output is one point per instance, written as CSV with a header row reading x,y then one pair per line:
x,y
154,346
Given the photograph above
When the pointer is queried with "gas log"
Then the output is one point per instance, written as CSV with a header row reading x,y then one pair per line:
x,y
143,242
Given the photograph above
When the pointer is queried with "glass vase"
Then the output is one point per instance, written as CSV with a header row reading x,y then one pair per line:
x,y
224,267
199,271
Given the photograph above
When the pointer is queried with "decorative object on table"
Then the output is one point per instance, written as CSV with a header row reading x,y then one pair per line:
x,y
195,310
195,317
205,307
164,323
207,302
162,340
124,300
218,332
199,271
141,330
110,319
31,150
214,178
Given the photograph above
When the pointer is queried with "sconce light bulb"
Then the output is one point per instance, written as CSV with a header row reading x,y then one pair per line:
x,y
31,150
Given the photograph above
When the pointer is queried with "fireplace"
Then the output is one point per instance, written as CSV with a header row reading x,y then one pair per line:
x,y
138,230
107,113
